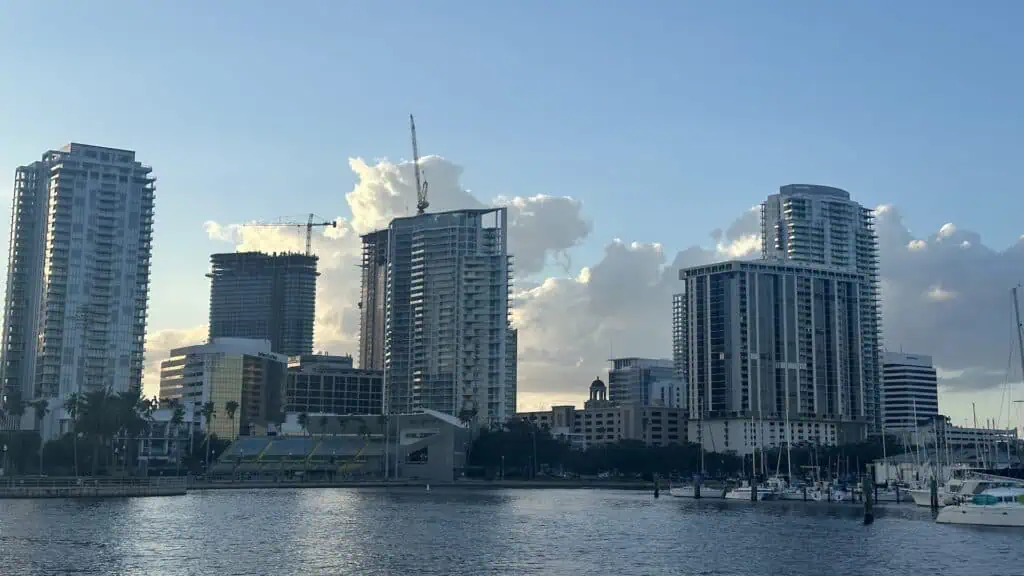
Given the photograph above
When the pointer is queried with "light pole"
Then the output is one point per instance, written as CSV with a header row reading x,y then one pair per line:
x,y
5,460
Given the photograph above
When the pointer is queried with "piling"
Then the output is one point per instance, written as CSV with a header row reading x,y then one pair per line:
x,y
696,489
753,488
934,489
869,502
805,493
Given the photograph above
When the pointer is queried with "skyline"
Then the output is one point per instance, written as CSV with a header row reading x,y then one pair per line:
x,y
623,138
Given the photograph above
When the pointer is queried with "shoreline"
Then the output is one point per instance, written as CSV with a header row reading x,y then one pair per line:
x,y
470,484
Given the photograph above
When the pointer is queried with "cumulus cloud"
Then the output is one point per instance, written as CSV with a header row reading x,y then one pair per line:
x,y
945,294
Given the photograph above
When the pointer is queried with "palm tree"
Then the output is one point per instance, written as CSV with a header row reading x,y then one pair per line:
x,y
209,412
230,407
73,406
303,420
177,419
40,408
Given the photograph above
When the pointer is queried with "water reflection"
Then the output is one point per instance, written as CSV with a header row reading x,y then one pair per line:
x,y
483,532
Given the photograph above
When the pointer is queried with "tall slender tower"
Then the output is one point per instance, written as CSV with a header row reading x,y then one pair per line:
x,y
821,225
77,275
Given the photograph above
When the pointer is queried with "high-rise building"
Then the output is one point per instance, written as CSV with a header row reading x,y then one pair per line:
x,y
630,380
678,335
227,370
910,391
446,340
372,300
77,275
821,225
265,297
322,384
777,342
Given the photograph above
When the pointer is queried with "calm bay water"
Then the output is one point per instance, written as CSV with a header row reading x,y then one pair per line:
x,y
448,532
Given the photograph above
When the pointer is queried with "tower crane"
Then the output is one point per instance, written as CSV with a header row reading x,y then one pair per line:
x,y
421,187
309,225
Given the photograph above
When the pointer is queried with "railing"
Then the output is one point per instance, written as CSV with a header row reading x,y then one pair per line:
x,y
90,482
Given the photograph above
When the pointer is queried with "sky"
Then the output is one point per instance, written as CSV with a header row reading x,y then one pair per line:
x,y
654,123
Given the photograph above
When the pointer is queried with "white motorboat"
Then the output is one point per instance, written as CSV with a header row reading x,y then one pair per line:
x,y
685,491
964,487
993,507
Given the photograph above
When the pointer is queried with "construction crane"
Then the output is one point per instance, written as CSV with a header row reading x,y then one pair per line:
x,y
421,188
309,225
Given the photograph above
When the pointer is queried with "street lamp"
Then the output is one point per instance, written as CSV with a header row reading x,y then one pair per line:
x,y
5,460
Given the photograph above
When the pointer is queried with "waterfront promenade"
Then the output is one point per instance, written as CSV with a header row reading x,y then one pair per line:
x,y
90,487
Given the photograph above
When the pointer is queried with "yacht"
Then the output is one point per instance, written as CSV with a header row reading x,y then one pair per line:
x,y
682,491
993,507
963,487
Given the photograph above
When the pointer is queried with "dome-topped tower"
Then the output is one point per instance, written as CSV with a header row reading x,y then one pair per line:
x,y
598,390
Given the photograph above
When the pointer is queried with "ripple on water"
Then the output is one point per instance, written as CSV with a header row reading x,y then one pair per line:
x,y
448,532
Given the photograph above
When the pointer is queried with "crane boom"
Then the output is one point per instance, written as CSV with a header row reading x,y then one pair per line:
x,y
421,184
308,225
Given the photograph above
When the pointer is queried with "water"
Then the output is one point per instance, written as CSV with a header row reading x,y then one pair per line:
x,y
449,532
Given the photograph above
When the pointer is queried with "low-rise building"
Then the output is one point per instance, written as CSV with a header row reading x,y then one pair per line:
x,y
237,373
332,385
602,421
424,445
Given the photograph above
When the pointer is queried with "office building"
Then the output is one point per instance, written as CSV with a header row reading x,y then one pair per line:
x,y
821,225
630,380
446,339
264,297
77,276
240,371
775,342
322,384
910,391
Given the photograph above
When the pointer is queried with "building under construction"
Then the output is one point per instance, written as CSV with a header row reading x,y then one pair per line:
x,y
435,313
264,296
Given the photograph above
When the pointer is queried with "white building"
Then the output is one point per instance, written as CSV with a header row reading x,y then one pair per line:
x,y
77,276
239,370
821,225
910,391
447,343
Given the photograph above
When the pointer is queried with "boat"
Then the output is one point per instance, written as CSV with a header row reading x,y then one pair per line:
x,y
684,491
1002,506
963,486
744,493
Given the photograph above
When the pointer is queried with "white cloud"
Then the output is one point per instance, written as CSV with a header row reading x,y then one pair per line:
x,y
621,304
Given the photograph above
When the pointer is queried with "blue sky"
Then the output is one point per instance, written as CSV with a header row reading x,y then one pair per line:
x,y
668,119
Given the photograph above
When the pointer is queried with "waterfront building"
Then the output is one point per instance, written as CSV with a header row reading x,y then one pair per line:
x,y
446,340
77,278
262,296
602,421
425,446
910,391
630,380
324,384
774,341
227,370
822,225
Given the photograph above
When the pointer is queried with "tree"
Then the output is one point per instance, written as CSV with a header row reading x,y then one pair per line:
x,y
73,406
323,424
230,407
177,419
15,407
303,420
40,408
209,412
